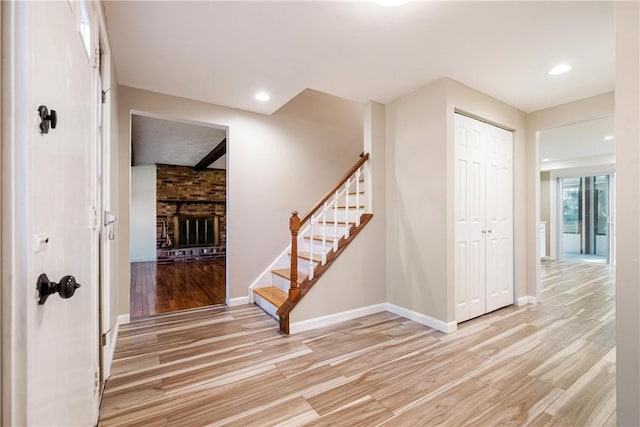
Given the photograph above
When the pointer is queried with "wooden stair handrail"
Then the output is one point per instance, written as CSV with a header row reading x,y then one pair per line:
x,y
363,158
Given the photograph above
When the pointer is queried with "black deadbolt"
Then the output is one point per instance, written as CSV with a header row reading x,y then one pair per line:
x,y
47,119
66,287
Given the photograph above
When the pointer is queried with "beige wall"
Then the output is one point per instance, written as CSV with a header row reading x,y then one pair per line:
x,y
545,206
627,105
276,164
595,107
357,278
142,233
416,156
420,193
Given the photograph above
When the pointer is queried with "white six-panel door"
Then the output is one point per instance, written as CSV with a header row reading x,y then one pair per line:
x,y
483,217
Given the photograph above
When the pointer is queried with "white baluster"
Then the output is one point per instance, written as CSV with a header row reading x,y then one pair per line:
x,y
346,208
324,234
358,198
335,221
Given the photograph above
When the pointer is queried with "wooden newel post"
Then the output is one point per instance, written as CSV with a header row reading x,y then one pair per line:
x,y
294,226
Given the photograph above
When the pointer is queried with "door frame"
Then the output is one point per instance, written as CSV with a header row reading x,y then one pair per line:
x,y
555,236
178,119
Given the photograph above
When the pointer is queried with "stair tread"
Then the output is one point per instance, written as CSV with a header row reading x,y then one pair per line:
x,y
272,294
307,255
328,239
286,274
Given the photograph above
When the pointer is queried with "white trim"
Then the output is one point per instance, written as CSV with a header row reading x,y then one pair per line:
x,y
238,301
330,319
123,319
446,327
526,300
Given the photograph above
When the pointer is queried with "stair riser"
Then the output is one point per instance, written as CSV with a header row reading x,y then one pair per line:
x,y
317,246
352,199
341,214
303,265
280,282
331,230
266,306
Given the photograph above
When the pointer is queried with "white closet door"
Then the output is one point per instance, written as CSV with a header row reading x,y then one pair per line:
x,y
499,202
469,218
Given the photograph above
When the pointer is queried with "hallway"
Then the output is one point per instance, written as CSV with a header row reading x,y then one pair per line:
x,y
546,364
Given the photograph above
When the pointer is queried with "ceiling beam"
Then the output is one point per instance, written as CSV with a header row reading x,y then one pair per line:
x,y
215,154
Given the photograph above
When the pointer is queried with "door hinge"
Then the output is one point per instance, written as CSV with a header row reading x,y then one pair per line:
x,y
96,378
104,96
95,218
96,58
103,339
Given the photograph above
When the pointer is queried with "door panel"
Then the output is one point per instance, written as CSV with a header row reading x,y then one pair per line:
x,y
470,218
62,333
499,218
484,217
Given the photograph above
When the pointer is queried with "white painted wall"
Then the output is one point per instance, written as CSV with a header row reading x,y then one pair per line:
x,y
276,164
143,213
627,106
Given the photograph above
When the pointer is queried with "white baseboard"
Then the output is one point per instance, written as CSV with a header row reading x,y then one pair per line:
x,y
423,318
330,319
112,338
238,301
123,319
526,300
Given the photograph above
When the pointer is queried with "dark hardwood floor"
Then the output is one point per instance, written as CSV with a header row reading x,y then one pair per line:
x,y
163,288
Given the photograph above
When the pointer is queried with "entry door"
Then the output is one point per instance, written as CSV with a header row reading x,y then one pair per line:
x,y
59,175
483,218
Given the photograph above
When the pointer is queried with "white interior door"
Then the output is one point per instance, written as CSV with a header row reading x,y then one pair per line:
x,y
499,225
483,218
62,333
470,218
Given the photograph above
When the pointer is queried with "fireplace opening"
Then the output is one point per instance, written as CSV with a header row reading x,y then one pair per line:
x,y
196,231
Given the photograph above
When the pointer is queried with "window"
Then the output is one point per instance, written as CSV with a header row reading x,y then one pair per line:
x,y
571,205
601,186
85,27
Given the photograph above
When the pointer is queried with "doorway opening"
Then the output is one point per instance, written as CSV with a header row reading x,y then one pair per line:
x,y
577,192
178,215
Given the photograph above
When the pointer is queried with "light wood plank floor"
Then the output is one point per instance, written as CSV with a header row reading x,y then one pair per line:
x,y
540,365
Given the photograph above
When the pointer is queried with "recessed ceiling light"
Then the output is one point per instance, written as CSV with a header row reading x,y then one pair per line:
x,y
559,69
609,138
390,3
262,96
545,159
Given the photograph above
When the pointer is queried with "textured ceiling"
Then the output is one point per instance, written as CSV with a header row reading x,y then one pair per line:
x,y
171,142
578,141
224,52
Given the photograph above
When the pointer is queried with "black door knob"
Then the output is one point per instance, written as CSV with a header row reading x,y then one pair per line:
x,y
66,287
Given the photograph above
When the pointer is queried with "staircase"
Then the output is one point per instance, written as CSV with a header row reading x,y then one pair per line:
x,y
317,240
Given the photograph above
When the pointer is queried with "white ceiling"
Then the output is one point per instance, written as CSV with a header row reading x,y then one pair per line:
x,y
577,141
224,52
171,142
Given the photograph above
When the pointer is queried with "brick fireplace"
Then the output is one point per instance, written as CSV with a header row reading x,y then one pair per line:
x,y
190,213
